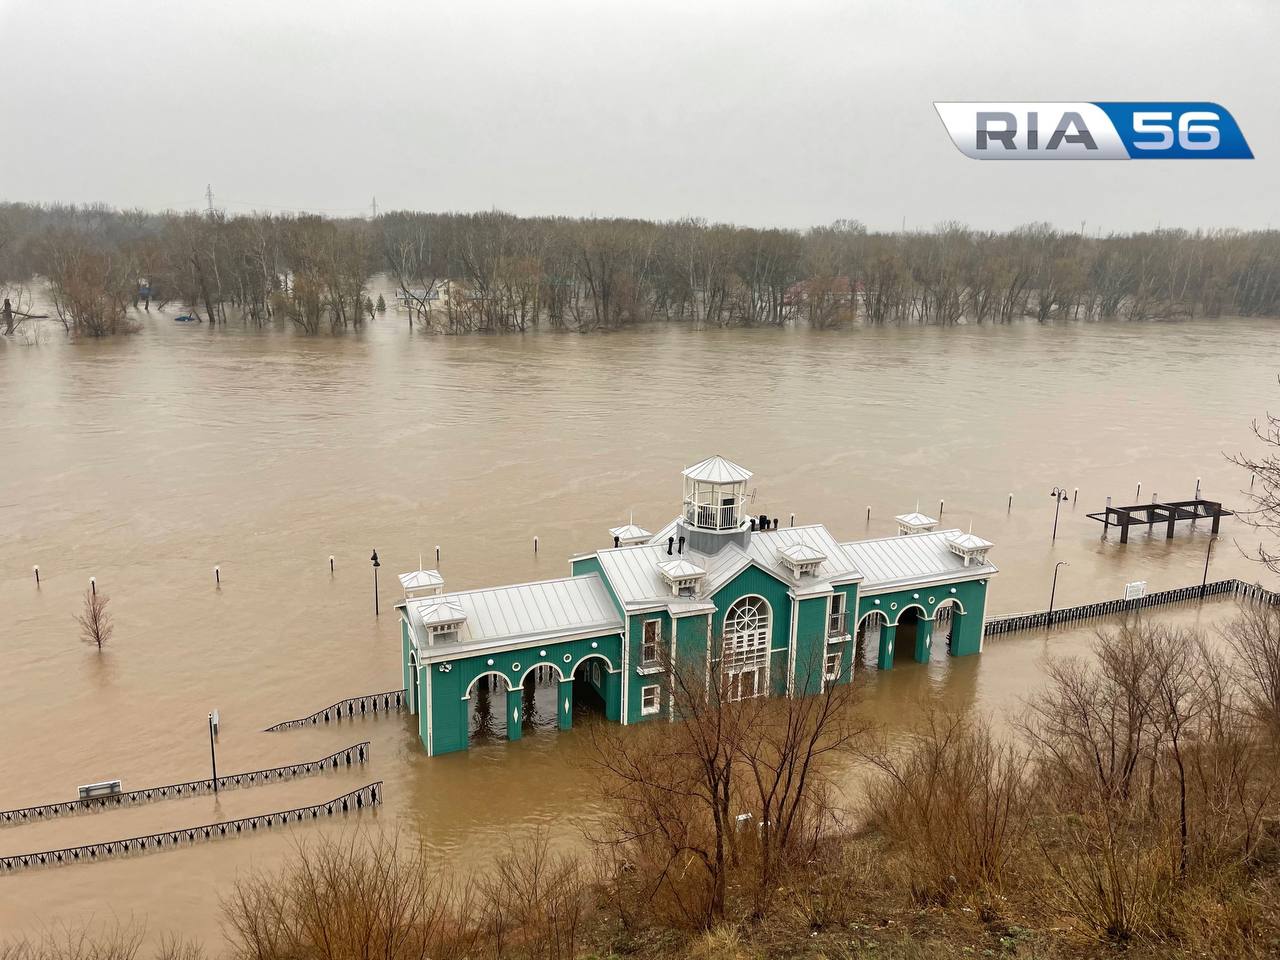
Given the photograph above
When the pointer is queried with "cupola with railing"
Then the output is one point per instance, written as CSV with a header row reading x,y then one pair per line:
x,y
715,491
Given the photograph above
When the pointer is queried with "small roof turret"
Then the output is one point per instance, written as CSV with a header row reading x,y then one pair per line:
x,y
970,546
717,470
440,613
681,574
916,522
801,558
630,534
422,583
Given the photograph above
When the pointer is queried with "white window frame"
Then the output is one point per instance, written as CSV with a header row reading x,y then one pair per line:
x,y
836,626
647,660
748,626
831,668
647,709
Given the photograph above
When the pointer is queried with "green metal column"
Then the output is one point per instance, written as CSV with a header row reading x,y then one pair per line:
x,y
885,659
515,712
924,637
566,704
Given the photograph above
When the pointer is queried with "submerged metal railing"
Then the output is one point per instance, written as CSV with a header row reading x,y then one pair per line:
x,y
356,753
367,796
351,708
1029,621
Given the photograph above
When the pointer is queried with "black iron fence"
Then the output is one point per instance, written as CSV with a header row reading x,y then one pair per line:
x,y
346,757
352,707
1029,621
366,796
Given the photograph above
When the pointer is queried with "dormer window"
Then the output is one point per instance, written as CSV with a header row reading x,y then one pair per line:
x,y
714,492
684,577
801,559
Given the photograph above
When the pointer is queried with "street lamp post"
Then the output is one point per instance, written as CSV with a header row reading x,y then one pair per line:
x,y
1054,589
1059,495
213,755
1204,580
374,560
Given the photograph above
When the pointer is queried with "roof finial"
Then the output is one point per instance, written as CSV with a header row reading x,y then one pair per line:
x,y
971,524
917,504
419,559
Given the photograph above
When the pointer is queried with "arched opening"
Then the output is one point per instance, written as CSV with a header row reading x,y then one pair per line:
x,y
746,647
486,700
415,691
590,677
540,687
867,639
904,640
946,618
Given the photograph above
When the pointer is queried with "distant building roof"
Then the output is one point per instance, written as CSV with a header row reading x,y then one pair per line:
x,y
718,470
630,532
636,572
916,520
523,612
914,558
419,579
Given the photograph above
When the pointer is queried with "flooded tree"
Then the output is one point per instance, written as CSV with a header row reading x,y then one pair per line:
x,y
96,626
494,272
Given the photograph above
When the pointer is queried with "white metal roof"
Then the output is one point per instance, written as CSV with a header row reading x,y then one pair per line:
x,y
635,573
968,541
914,558
630,531
916,520
421,578
718,470
528,611
801,553
680,569
436,611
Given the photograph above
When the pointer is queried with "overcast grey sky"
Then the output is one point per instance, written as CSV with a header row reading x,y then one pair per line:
x,y
784,113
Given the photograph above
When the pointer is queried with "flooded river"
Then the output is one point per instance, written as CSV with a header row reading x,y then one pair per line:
x,y
146,461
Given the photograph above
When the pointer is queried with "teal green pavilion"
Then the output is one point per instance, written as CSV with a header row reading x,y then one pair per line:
x,y
775,611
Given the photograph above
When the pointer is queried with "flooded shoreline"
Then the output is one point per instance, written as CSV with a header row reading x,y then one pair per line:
x,y
146,462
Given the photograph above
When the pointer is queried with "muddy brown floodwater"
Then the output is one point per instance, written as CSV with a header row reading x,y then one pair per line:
x,y
148,460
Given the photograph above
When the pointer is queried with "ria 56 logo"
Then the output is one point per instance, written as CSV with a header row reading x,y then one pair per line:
x,y
1094,131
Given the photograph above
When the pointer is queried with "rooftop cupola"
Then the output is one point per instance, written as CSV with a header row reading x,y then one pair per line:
x,y
682,576
970,546
801,559
629,534
442,618
422,583
914,523
714,492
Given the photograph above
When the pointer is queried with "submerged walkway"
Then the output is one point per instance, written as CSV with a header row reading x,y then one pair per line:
x,y
1029,621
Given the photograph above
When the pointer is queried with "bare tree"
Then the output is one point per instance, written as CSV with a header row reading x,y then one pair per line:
x,y
95,621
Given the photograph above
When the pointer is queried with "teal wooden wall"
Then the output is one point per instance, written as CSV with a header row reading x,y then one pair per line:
x,y
449,686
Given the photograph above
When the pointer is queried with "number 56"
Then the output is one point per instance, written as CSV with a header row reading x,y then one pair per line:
x,y
1196,130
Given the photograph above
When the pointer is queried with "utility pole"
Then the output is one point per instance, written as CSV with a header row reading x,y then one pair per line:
x,y
375,208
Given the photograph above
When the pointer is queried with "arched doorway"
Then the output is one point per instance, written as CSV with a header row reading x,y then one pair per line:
x,y
946,621
415,684
590,690
746,647
867,639
904,641
541,693
486,700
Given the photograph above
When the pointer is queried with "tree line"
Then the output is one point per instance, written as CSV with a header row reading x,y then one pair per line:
x,y
497,273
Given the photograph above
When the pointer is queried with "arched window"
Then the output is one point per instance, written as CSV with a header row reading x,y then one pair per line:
x,y
746,647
